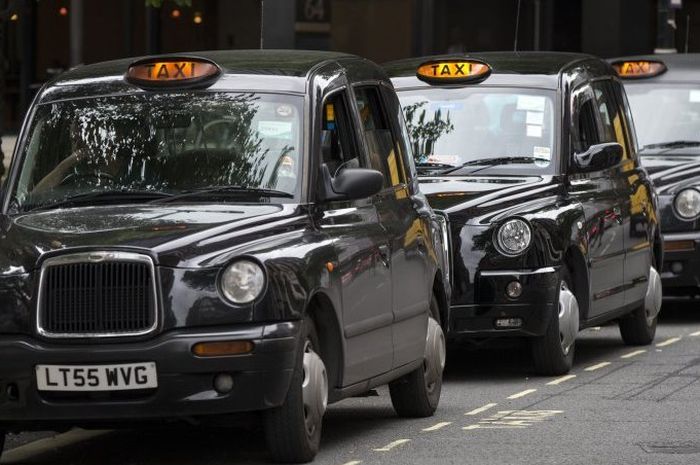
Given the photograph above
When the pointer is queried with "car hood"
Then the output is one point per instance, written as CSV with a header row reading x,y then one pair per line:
x,y
178,236
673,169
481,198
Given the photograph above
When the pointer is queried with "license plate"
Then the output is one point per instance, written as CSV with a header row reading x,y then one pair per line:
x,y
122,377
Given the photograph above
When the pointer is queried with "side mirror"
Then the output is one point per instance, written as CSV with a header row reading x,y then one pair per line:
x,y
351,183
599,157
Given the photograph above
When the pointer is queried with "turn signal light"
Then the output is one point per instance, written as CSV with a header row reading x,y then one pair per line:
x,y
679,246
222,348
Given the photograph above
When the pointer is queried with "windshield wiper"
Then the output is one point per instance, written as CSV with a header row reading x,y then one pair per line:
x,y
109,195
489,162
672,144
250,192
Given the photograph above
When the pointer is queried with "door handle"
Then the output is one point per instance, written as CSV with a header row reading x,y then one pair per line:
x,y
385,254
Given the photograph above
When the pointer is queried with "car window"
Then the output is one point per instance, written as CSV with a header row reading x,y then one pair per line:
x,y
585,130
338,146
611,116
378,136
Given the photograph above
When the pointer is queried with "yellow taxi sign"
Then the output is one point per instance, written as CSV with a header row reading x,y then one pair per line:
x,y
638,69
453,71
175,72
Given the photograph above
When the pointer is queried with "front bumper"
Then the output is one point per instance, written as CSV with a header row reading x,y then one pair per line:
x,y
185,381
680,274
534,307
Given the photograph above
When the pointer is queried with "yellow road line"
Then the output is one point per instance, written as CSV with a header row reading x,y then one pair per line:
x,y
522,394
633,354
597,366
438,426
668,342
561,380
696,333
479,410
392,445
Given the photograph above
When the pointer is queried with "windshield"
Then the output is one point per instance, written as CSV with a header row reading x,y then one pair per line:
x,y
160,144
665,113
482,128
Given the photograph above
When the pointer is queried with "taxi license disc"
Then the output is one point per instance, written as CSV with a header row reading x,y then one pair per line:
x,y
453,71
173,72
639,69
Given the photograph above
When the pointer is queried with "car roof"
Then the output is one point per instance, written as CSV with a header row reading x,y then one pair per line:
x,y
681,67
250,70
537,69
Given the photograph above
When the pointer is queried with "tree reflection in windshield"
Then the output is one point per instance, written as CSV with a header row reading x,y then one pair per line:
x,y
161,143
424,133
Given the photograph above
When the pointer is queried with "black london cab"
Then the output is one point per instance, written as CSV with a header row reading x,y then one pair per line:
x,y
664,94
193,236
552,220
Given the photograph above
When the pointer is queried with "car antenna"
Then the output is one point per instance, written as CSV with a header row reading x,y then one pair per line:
x,y
262,24
517,26
687,31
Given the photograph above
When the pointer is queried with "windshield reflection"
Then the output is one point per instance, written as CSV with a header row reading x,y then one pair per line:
x,y
162,144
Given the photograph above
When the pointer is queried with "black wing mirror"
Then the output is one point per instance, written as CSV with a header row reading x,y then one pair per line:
x,y
599,157
351,183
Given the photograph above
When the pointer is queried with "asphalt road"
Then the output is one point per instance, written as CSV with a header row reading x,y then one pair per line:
x,y
620,405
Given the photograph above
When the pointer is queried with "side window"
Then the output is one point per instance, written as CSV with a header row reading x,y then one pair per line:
x,y
612,119
384,155
625,110
585,131
338,147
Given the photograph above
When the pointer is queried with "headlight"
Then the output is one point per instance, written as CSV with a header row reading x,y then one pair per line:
x,y
687,204
513,237
242,281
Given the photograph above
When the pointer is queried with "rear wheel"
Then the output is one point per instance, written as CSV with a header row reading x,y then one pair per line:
x,y
417,394
293,430
639,327
553,353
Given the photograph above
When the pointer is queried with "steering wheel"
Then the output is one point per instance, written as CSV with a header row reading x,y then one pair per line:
x,y
224,139
98,176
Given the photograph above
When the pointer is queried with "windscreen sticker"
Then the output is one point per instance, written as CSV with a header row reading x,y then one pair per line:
x,y
694,96
531,102
446,159
535,117
277,129
534,130
434,106
542,153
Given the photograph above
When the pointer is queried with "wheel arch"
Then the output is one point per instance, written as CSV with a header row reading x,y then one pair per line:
x,y
440,293
578,270
322,312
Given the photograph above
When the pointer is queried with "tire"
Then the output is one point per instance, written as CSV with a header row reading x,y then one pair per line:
x,y
553,353
417,394
639,327
293,430
2,442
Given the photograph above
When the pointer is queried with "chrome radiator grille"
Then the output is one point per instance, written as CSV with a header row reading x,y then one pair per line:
x,y
103,294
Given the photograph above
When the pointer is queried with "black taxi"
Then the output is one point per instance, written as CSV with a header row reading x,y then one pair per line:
x,y
664,94
553,222
192,236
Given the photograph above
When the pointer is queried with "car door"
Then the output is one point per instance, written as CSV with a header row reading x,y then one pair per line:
x,y
361,245
598,194
399,216
636,189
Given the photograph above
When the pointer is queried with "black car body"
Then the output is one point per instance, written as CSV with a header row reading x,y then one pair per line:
x,y
572,183
664,93
133,232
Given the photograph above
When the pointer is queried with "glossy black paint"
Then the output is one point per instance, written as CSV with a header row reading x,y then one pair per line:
x,y
363,268
599,223
672,170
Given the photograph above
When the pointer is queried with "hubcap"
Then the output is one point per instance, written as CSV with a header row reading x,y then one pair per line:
x,y
568,317
652,300
314,389
434,354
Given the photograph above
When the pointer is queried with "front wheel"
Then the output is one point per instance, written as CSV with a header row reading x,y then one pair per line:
x,y
417,394
639,327
553,353
293,430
